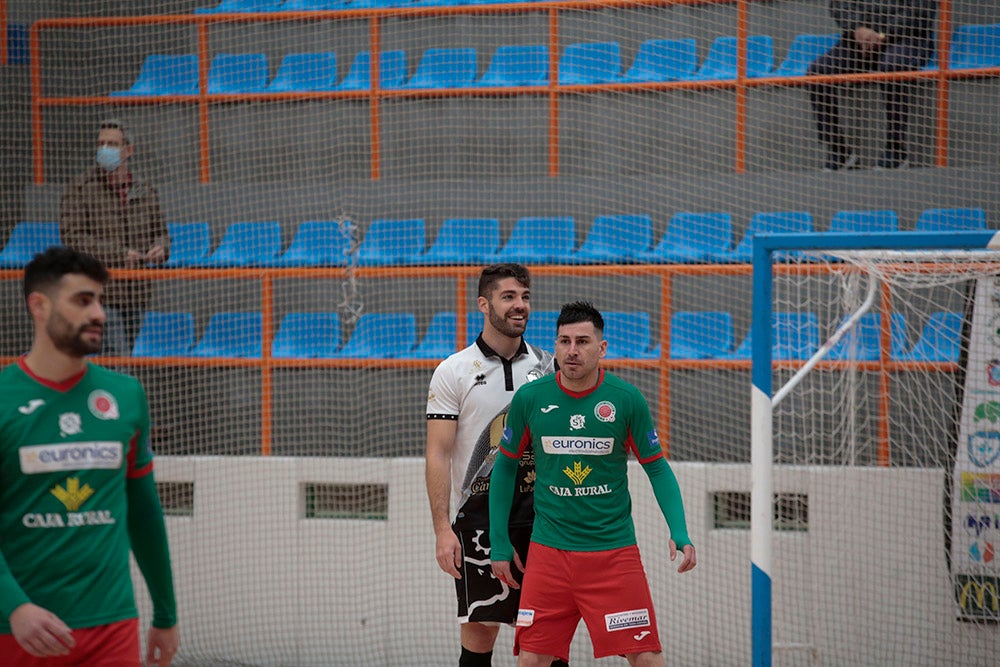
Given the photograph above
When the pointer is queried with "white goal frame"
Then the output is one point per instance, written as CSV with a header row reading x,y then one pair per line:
x,y
763,400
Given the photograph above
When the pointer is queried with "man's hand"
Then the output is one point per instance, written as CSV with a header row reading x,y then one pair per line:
x,y
449,552
156,255
502,571
690,558
868,39
161,645
40,632
134,259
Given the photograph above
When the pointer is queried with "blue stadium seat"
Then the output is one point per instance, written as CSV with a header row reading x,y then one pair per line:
x,y
474,324
693,238
660,60
975,46
247,244
615,238
628,335
377,4
26,239
464,241
389,242
864,339
701,335
720,63
190,243
864,221
392,71
951,220
307,336
18,52
305,72
590,62
540,240
440,339
794,336
381,336
805,49
313,5
541,329
797,222
165,75
165,335
940,339
233,335
238,73
445,68
316,243
516,65
228,6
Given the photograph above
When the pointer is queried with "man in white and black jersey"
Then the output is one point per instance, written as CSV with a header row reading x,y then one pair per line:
x,y
467,404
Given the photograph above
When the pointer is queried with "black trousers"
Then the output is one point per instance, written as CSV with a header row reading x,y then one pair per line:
x,y
846,57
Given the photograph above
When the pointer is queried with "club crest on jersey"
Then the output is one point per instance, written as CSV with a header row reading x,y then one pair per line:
x,y
103,405
70,424
605,411
576,422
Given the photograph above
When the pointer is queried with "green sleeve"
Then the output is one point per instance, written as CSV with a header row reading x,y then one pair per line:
x,y
148,534
668,497
11,595
501,498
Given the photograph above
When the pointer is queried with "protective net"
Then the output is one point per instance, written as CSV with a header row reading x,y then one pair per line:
x,y
328,226
894,431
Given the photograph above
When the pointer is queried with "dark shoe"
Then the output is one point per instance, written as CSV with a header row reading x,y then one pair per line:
x,y
837,160
892,160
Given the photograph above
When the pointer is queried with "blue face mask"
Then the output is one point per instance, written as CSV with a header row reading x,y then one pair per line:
x,y
109,157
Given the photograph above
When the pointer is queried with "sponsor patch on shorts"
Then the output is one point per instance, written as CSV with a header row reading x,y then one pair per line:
x,y
623,620
525,617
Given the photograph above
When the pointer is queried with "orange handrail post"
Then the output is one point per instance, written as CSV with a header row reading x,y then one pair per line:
x,y
375,53
741,84
461,296
266,378
3,32
37,138
663,398
944,56
553,93
204,165
884,378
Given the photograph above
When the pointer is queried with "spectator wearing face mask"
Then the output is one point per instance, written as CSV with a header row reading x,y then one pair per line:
x,y
110,212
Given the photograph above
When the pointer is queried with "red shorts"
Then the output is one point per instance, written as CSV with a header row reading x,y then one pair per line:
x,y
111,645
607,589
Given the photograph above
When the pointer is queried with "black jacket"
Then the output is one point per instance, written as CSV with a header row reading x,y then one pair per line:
x,y
899,20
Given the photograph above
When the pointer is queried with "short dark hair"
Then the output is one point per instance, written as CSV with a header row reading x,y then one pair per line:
x,y
48,267
117,124
580,311
494,273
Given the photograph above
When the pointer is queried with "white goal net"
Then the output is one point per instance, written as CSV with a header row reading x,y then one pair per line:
x,y
894,425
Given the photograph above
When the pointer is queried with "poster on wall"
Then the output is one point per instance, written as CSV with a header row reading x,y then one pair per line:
x,y
975,530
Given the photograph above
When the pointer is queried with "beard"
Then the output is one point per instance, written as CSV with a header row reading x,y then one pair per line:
x,y
509,329
71,340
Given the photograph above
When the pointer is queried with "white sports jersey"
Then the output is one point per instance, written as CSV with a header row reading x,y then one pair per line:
x,y
474,386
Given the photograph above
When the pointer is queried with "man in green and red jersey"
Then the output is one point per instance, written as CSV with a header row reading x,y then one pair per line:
x,y
76,488
584,563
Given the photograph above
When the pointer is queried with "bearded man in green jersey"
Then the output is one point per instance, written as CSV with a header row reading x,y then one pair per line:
x,y
584,563
76,488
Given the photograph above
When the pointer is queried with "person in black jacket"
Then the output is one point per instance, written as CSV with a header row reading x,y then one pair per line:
x,y
876,36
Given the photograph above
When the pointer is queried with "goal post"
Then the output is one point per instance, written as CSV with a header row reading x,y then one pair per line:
x,y
838,417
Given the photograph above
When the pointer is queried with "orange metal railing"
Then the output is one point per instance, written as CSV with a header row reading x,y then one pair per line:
x,y
553,90
664,366
3,32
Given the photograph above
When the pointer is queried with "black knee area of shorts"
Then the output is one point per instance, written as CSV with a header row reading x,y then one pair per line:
x,y
470,659
558,663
